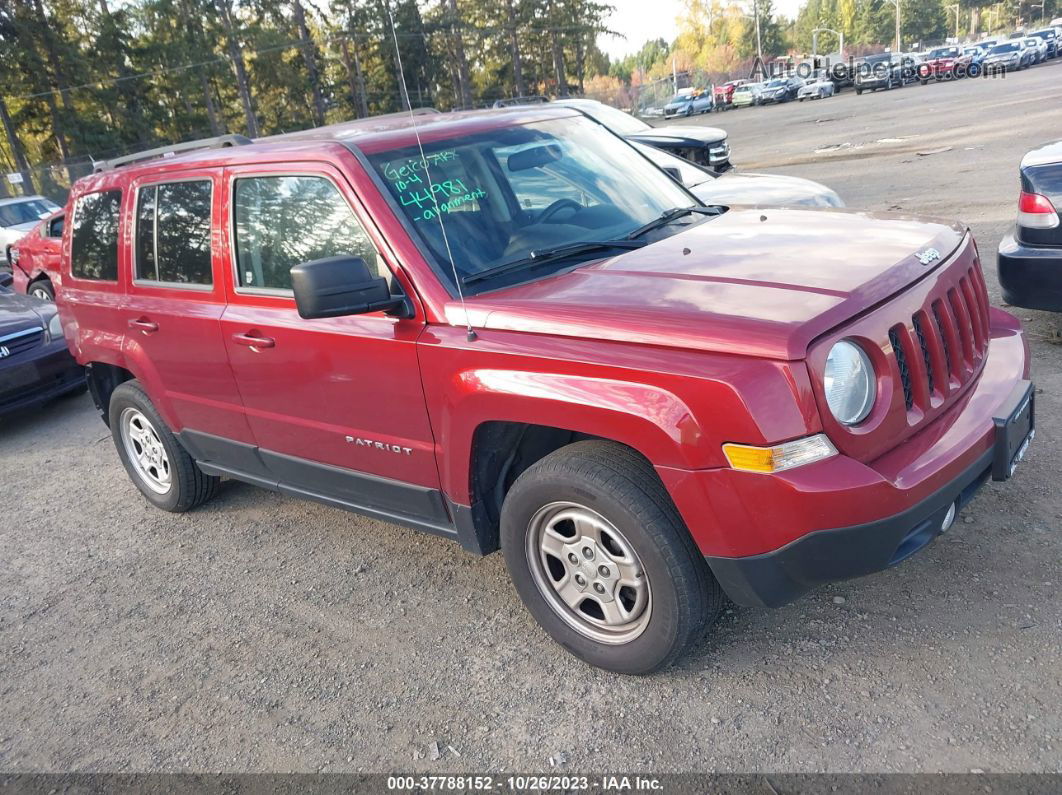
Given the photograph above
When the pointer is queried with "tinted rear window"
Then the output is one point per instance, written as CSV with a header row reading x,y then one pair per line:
x,y
94,243
173,233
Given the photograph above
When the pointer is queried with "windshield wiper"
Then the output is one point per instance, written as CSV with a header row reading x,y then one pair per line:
x,y
668,216
542,256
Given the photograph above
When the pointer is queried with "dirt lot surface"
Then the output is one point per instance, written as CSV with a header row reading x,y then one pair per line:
x,y
264,633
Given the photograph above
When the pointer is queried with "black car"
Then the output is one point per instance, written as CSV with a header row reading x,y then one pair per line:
x,y
1030,259
780,89
705,146
35,365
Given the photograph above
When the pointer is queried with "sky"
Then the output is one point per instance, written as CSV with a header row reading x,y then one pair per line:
x,y
641,20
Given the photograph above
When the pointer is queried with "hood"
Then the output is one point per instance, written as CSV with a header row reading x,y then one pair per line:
x,y
9,234
684,135
765,190
18,312
751,282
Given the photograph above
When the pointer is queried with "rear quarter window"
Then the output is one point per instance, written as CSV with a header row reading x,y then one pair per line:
x,y
94,238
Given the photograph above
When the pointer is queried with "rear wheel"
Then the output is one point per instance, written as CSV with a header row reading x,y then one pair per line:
x,y
602,560
156,462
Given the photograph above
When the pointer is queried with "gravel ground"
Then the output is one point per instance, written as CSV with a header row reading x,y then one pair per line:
x,y
261,633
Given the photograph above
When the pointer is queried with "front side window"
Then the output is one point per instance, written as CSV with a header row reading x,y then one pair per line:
x,y
284,221
94,243
55,226
535,187
173,233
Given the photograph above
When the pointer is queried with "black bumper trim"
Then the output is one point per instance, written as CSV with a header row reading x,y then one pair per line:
x,y
1031,277
778,577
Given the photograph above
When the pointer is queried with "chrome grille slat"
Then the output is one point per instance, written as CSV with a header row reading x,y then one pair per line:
x,y
21,341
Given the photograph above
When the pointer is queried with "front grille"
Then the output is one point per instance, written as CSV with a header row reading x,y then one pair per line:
x,y
942,348
20,341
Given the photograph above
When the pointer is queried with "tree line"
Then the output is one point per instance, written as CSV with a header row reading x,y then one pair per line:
x,y
84,81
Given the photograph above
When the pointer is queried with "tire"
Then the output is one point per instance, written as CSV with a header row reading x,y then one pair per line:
x,y
42,288
631,526
859,91
178,485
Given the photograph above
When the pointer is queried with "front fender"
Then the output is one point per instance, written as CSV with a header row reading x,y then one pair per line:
x,y
674,407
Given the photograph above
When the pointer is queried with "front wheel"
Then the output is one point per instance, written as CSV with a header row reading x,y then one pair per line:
x,y
602,560
43,290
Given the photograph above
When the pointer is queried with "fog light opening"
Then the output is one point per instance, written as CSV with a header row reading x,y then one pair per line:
x,y
949,518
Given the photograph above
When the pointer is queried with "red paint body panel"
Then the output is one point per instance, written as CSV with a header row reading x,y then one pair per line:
x,y
38,257
716,334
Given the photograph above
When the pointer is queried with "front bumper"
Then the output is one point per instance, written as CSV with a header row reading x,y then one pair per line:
x,y
771,538
36,376
1030,277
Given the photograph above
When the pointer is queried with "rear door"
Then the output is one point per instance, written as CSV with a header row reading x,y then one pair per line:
x,y
175,301
336,405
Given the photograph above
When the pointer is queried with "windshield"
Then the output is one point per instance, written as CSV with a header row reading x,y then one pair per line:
x,y
505,193
25,212
613,118
776,84
944,52
1045,34
1005,48
680,98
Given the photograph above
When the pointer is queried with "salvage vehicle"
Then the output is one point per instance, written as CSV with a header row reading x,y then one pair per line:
x,y
686,103
1005,57
748,95
755,190
882,70
781,89
35,259
1030,258
1050,39
819,87
945,63
706,146
19,215
509,329
723,96
35,364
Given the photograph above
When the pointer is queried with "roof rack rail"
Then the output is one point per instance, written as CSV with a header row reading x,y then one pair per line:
x,y
218,142
536,99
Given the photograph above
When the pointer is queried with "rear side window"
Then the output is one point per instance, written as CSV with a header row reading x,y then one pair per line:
x,y
284,221
94,244
173,233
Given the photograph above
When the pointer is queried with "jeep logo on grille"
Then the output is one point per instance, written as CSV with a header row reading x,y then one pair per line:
x,y
4,351
928,256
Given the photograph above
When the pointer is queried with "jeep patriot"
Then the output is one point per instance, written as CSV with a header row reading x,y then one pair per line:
x,y
510,329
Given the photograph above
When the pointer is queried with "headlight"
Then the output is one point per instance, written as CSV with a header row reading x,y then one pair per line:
x,y
849,383
55,327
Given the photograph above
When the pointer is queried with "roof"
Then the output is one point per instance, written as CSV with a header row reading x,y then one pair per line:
x,y
370,135
1044,155
20,199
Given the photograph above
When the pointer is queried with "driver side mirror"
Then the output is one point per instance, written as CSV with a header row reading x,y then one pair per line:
x,y
338,286
6,279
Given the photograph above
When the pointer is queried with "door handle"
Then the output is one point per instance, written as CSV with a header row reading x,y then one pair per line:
x,y
253,340
144,325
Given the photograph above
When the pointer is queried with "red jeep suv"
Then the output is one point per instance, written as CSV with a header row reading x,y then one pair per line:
x,y
510,329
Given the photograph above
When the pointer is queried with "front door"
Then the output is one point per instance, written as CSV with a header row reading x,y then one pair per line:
x,y
336,405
